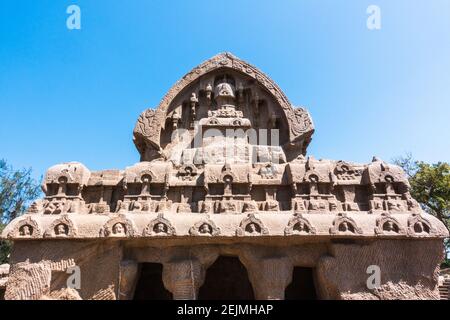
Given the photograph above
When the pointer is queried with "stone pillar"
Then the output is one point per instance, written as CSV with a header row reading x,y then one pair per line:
x,y
407,270
128,278
40,269
183,278
270,277
28,281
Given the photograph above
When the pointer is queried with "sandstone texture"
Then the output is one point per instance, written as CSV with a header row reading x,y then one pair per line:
x,y
223,171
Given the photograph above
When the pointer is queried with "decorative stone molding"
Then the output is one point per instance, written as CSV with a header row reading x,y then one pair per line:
x,y
118,227
419,226
71,172
26,228
159,227
388,225
344,225
108,222
298,225
62,227
148,128
204,227
187,172
251,226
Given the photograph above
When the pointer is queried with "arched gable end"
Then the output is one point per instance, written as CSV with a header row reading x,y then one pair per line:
x,y
296,122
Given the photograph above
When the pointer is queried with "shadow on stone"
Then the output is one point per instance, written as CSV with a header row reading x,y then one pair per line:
x,y
226,279
150,285
302,285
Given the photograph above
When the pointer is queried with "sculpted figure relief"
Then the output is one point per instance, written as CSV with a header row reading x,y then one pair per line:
x,y
344,225
159,227
223,171
251,226
24,228
206,227
299,225
260,174
26,231
118,226
118,229
61,230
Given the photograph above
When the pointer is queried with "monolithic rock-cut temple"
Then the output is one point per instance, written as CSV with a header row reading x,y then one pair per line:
x,y
225,204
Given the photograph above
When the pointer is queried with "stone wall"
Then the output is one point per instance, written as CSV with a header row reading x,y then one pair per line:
x,y
109,269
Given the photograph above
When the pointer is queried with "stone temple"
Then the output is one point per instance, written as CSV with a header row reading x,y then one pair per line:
x,y
225,204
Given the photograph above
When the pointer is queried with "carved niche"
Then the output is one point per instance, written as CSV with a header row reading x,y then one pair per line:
x,y
118,227
25,229
204,227
159,227
251,226
298,225
388,225
344,225
62,227
419,226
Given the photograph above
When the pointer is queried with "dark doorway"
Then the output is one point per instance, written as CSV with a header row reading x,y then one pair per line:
x,y
302,285
2,294
150,285
226,279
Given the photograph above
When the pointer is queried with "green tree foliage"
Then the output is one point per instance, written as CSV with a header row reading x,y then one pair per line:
x,y
17,190
430,186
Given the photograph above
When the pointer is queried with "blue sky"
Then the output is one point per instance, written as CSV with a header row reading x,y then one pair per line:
x,y
74,95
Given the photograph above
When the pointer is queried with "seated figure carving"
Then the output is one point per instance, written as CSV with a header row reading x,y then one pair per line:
x,y
61,230
300,228
160,228
252,229
421,228
197,193
346,228
26,231
390,227
118,229
205,229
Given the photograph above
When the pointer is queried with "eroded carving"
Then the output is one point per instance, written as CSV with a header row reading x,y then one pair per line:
x,y
298,225
419,226
159,227
251,226
388,225
119,226
205,227
191,170
26,228
344,225
62,227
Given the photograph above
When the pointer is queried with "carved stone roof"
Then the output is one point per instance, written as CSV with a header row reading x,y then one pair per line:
x,y
184,188
150,123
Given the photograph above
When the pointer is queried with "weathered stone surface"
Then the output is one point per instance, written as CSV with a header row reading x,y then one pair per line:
x,y
223,171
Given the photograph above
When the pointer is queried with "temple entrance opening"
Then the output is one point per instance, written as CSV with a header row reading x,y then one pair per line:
x,y
150,285
226,279
302,286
